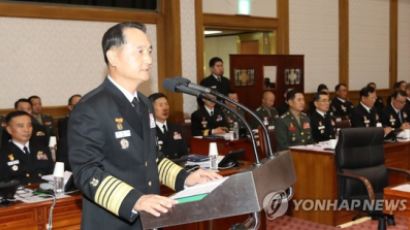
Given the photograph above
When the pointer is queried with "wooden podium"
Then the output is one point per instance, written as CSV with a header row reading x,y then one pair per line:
x,y
240,194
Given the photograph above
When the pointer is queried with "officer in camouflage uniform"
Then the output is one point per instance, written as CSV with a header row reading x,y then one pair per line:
x,y
267,113
293,127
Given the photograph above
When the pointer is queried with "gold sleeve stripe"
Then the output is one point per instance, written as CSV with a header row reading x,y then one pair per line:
x,y
107,180
111,193
168,172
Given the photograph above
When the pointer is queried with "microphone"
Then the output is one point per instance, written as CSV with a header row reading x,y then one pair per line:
x,y
205,90
180,85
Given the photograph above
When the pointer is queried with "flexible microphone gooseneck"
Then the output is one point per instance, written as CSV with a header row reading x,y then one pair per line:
x,y
177,85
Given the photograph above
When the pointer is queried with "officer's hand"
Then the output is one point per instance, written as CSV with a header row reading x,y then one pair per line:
x,y
219,130
405,125
387,130
201,176
154,204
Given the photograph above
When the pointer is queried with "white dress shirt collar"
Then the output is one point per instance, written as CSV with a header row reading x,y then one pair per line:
x,y
161,125
340,99
367,108
128,95
209,110
321,113
21,146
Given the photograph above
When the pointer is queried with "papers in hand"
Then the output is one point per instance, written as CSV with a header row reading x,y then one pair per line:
x,y
198,190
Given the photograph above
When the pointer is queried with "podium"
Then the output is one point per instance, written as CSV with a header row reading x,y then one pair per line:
x,y
240,194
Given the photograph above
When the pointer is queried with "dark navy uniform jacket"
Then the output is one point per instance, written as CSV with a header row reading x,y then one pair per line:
x,y
113,153
171,143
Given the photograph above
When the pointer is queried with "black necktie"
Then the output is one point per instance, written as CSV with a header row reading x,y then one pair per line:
x,y
25,149
212,113
136,104
400,117
164,128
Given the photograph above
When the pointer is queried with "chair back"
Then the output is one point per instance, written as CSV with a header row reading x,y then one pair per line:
x,y
360,151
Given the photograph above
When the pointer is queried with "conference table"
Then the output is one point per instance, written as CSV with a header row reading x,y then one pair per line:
x,y
317,180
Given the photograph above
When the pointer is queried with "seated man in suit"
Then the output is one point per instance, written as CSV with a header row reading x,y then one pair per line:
x,y
62,146
22,159
293,127
169,135
379,104
321,122
267,113
208,120
364,114
341,106
393,115
43,119
216,80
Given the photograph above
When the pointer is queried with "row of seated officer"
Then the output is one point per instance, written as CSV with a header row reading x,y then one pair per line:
x,y
25,153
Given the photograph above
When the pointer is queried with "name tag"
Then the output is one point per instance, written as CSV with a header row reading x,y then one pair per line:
x,y
122,134
15,162
151,121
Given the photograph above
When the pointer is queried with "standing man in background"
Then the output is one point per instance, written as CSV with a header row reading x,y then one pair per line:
x,y
112,140
216,80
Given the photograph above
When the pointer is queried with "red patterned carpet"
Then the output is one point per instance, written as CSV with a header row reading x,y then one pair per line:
x,y
289,223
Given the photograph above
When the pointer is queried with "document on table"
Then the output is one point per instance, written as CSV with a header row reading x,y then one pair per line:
x,y
197,192
402,187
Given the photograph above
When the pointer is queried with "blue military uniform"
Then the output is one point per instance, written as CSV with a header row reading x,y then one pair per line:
x,y
114,157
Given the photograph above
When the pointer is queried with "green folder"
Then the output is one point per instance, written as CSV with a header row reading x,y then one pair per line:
x,y
191,198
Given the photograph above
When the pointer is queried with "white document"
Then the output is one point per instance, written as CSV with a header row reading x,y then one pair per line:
x,y
205,188
402,187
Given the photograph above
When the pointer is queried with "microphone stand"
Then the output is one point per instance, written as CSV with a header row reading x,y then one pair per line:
x,y
268,144
255,150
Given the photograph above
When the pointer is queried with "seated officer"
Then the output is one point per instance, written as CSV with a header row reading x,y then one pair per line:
x,y
393,115
341,106
43,119
169,135
321,122
62,145
208,120
230,117
22,159
364,114
267,113
379,104
293,127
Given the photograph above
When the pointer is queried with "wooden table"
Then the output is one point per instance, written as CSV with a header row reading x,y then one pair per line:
x,y
67,213
316,179
392,195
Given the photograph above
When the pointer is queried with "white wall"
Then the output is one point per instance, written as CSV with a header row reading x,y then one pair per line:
x,y
54,59
404,41
188,44
368,43
313,32
261,8
221,47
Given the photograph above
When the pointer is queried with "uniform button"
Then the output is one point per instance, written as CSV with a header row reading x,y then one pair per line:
x,y
149,183
146,163
27,174
301,133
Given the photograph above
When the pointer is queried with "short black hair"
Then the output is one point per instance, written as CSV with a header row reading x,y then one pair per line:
x,y
370,84
20,101
70,100
398,93
337,87
34,97
153,97
292,94
114,36
322,87
214,60
365,91
397,85
14,114
317,95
